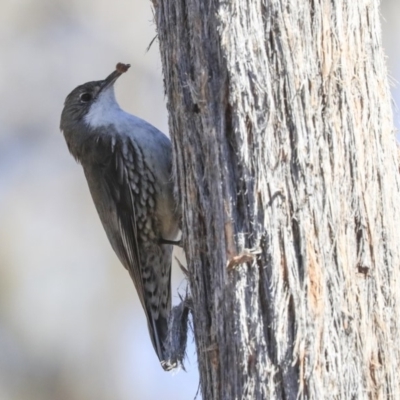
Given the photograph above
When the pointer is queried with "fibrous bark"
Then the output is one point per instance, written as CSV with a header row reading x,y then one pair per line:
x,y
286,171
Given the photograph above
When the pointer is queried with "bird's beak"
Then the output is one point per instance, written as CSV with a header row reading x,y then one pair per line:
x,y
110,80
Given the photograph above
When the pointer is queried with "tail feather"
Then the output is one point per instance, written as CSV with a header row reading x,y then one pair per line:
x,y
156,275
158,329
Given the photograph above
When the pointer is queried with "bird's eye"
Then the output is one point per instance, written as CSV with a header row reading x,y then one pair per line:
x,y
85,97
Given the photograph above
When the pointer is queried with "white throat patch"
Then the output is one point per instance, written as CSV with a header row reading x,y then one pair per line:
x,y
104,111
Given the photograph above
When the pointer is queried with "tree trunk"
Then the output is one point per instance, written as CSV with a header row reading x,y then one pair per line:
x,y
286,171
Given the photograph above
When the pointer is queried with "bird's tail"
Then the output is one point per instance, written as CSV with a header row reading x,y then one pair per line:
x,y
158,329
155,292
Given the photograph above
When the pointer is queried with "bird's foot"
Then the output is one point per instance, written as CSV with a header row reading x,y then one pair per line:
x,y
172,242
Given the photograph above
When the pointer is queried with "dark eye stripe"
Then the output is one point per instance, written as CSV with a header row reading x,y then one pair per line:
x,y
85,97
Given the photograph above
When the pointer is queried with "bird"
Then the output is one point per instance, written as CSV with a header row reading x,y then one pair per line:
x,y
127,163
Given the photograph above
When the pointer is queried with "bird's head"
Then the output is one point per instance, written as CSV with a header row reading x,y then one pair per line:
x,y
89,102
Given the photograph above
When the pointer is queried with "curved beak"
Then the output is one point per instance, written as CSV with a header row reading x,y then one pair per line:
x,y
110,80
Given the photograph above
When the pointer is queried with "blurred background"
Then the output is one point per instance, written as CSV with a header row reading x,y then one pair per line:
x,y
71,326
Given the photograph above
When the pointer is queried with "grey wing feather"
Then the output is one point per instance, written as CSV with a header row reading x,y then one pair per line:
x,y
117,184
115,201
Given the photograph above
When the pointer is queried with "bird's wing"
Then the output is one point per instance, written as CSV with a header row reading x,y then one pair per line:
x,y
125,203
122,181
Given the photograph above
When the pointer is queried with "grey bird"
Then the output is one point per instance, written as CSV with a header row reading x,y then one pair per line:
x,y
127,164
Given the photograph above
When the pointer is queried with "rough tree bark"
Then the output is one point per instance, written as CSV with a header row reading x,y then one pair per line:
x,y
286,171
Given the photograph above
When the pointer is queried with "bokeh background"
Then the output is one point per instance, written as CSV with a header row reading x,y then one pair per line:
x,y
70,323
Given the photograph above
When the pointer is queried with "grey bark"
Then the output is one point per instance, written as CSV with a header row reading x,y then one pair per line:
x,y
286,171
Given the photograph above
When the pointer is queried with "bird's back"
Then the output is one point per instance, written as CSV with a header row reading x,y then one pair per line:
x,y
129,176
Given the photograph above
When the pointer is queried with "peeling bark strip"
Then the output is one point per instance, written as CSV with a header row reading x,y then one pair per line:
x,y
282,131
